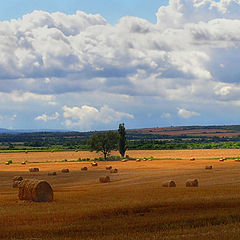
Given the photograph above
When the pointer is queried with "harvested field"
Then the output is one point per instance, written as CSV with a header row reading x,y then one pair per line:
x,y
133,205
161,154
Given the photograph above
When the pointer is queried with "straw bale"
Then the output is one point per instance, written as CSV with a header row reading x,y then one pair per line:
x,y
192,183
192,159
138,160
114,170
84,168
104,179
208,167
23,163
17,178
35,190
7,163
33,169
94,164
109,168
169,183
16,184
65,170
124,160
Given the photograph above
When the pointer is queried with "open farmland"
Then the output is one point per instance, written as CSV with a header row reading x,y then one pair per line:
x,y
133,205
159,154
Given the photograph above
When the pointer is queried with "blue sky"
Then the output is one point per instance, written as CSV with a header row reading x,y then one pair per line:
x,y
90,65
111,10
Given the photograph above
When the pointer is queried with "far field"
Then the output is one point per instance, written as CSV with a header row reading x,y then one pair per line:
x,y
159,154
133,205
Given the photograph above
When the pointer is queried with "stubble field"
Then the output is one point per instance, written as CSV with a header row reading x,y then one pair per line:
x,y
133,205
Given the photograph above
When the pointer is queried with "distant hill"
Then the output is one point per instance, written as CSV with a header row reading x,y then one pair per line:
x,y
193,131
16,131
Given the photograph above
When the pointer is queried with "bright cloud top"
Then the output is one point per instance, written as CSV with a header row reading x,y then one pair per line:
x,y
186,113
85,116
44,117
191,55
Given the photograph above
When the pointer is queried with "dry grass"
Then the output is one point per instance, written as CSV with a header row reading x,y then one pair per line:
x,y
161,154
133,205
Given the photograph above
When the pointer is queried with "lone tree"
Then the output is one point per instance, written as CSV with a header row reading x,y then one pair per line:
x,y
122,139
103,142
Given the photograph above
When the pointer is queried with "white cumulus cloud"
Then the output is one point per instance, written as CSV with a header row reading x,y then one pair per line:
x,y
191,55
85,116
186,113
44,117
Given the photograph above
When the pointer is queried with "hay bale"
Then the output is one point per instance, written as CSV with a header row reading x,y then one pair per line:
x,y
169,183
7,163
222,159
104,179
33,169
114,170
192,159
17,178
52,174
65,170
84,168
124,160
109,168
94,164
23,163
138,160
237,160
192,183
16,184
35,190
208,167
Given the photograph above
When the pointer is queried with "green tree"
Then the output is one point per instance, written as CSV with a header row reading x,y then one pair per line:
x,y
122,139
103,142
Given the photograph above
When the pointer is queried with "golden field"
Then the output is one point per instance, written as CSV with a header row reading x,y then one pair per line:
x,y
133,205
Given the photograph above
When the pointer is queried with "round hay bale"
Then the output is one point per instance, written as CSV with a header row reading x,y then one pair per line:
x,y
94,164
237,160
65,170
138,160
114,170
192,159
169,183
104,179
52,174
84,168
192,183
7,163
35,190
23,163
16,184
109,168
17,178
124,160
208,167
33,169
222,159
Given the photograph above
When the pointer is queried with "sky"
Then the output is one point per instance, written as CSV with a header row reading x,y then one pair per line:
x,y
90,65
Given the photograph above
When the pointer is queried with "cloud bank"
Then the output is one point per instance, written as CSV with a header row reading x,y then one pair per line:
x,y
191,55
